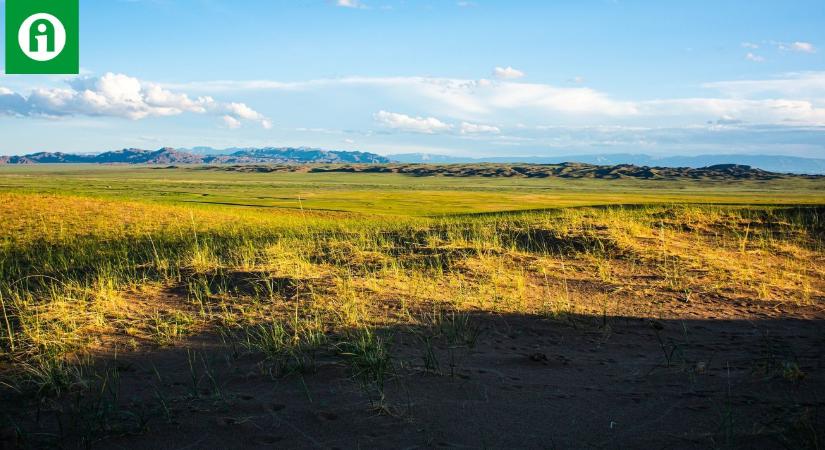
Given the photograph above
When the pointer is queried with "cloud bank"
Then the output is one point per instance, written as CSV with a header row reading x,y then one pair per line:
x,y
794,98
118,95
783,114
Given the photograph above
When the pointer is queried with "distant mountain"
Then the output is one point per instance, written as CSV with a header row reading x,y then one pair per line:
x,y
498,170
306,155
772,163
125,156
204,156
301,155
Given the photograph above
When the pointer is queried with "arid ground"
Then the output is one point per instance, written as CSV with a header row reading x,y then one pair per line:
x,y
182,308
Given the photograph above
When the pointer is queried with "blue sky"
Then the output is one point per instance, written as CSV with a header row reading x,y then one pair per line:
x,y
474,78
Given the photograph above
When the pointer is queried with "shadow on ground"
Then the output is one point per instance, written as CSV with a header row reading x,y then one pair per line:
x,y
508,381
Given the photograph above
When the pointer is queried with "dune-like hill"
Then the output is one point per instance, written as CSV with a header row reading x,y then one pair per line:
x,y
563,170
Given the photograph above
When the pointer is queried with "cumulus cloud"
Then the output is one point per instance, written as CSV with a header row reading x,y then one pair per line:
x,y
118,95
11,102
231,122
403,122
242,111
431,125
507,73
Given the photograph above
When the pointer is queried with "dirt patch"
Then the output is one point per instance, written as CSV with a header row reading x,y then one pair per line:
x,y
724,378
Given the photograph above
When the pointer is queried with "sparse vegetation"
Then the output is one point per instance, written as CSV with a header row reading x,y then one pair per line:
x,y
88,277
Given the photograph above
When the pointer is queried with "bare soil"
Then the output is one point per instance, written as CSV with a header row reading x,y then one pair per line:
x,y
713,374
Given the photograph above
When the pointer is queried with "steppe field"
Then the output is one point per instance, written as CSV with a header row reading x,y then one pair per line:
x,y
185,307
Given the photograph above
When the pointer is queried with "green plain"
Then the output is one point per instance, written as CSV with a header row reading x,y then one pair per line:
x,y
391,194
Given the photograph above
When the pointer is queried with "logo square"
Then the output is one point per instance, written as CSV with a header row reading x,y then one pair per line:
x,y
42,37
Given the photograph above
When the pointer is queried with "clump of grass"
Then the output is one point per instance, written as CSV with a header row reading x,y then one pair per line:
x,y
458,333
459,330
50,376
167,329
291,346
777,360
369,357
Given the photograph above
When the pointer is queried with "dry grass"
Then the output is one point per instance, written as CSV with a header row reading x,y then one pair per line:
x,y
81,277
83,274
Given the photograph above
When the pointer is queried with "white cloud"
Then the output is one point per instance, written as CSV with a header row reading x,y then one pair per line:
x,y
474,128
801,47
350,4
430,125
12,103
507,73
750,45
118,95
243,111
796,99
573,101
403,122
459,98
231,122
444,104
767,111
753,57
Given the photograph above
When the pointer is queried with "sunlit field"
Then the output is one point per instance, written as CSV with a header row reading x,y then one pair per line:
x,y
142,304
390,194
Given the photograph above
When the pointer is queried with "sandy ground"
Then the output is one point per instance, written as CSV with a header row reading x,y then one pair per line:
x,y
751,376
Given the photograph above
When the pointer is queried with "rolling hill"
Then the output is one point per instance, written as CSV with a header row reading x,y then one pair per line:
x,y
772,163
563,170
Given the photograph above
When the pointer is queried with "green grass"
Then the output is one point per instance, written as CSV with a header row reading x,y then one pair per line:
x,y
389,194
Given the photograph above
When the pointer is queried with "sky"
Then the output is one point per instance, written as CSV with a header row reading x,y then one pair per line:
x,y
465,78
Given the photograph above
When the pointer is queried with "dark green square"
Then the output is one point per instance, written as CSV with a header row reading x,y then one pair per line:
x,y
42,44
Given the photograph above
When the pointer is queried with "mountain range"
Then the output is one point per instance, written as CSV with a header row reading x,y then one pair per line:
x,y
171,156
305,155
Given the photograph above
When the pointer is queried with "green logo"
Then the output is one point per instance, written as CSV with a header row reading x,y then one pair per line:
x,y
42,37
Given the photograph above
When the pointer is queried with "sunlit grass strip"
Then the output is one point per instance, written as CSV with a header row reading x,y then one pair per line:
x,y
73,270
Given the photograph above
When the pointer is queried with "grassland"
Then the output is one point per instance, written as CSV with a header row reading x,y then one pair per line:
x,y
143,306
389,194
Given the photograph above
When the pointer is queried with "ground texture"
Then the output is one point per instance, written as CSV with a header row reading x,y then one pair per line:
x,y
146,324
